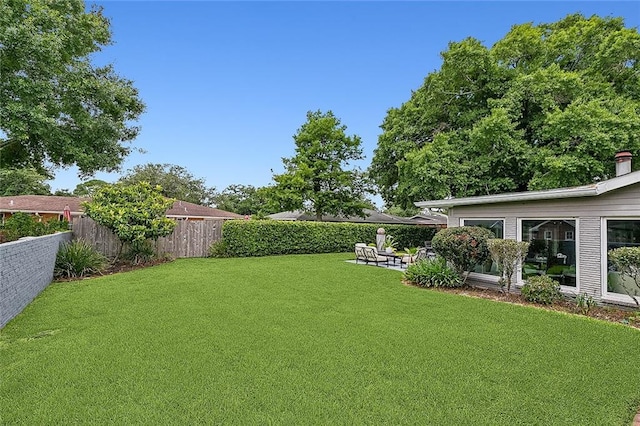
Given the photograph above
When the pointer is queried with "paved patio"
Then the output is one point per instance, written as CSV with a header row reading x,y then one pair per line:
x,y
395,267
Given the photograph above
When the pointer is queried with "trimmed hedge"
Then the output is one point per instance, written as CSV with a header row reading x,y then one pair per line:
x,y
243,238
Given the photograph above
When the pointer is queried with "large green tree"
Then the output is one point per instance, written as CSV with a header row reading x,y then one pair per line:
x,y
176,182
320,178
244,199
56,107
547,106
88,188
23,182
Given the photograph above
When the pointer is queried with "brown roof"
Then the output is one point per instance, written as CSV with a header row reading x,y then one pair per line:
x,y
186,209
56,204
41,204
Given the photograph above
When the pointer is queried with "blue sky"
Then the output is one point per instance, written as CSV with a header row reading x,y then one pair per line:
x,y
227,84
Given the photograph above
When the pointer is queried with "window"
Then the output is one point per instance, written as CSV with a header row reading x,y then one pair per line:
x,y
548,255
497,227
622,233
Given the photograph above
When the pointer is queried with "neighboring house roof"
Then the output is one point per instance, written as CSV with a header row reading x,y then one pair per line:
x,y
41,204
372,216
56,204
186,209
430,219
592,190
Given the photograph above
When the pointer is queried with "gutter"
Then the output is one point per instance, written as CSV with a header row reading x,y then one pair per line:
x,y
583,191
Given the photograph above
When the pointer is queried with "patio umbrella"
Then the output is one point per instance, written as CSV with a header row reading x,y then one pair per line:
x,y
66,213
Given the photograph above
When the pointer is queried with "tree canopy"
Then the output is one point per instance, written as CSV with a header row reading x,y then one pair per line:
x,y
23,182
547,106
244,199
88,188
176,182
319,178
56,108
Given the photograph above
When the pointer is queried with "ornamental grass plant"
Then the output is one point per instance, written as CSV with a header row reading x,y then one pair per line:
x,y
78,258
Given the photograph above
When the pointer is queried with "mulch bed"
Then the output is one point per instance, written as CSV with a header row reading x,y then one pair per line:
x,y
124,266
116,268
622,316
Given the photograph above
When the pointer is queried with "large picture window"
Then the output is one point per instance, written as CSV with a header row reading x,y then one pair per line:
x,y
622,233
497,227
552,249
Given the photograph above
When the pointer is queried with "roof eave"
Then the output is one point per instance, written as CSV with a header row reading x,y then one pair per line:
x,y
513,197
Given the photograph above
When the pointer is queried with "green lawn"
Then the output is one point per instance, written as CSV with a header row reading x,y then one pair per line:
x,y
307,339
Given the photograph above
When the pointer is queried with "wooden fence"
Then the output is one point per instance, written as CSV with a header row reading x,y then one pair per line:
x,y
190,238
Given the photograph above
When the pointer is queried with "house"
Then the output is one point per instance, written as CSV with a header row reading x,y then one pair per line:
x,y
570,231
183,210
52,207
372,216
46,207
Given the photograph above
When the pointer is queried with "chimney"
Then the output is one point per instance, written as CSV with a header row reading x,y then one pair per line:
x,y
623,163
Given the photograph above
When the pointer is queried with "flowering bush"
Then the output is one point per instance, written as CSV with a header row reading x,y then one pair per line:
x,y
464,247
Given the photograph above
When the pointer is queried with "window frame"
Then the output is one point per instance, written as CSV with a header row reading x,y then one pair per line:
x,y
604,256
479,276
563,288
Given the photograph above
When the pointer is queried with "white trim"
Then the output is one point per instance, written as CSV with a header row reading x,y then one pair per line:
x,y
618,298
477,276
592,190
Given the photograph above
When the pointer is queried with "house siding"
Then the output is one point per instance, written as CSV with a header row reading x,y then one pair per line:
x,y
590,259
623,202
587,211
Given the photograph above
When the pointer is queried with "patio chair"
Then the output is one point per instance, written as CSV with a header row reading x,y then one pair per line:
x,y
360,252
407,260
422,254
371,254
429,251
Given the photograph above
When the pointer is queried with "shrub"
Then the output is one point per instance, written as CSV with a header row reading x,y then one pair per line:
x,y
541,289
627,262
432,273
464,246
271,237
218,249
22,224
77,259
140,252
507,254
585,303
134,213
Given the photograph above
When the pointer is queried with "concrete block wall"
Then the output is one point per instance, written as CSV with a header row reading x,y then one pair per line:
x,y
26,268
